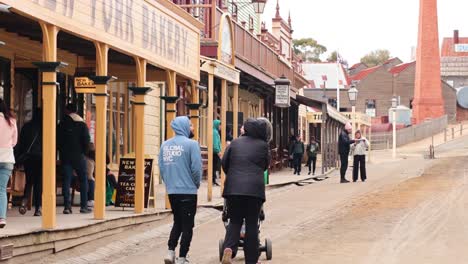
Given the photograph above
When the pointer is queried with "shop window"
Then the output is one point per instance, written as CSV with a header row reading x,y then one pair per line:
x,y
371,107
332,102
119,120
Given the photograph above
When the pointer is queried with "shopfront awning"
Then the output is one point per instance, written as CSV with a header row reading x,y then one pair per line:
x,y
309,101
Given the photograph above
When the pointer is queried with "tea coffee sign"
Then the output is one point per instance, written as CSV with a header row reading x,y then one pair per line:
x,y
153,30
126,188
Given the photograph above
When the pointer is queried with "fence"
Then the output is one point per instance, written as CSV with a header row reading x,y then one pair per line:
x,y
410,134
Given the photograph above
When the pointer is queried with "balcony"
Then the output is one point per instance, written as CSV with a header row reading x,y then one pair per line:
x,y
263,55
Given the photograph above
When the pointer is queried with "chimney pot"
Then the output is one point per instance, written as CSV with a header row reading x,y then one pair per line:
x,y
456,37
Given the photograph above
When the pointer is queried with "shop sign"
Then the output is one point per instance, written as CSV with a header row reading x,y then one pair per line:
x,y
226,39
220,70
152,30
126,188
227,73
282,98
84,85
461,47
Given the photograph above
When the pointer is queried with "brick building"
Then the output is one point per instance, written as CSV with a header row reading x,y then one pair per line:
x,y
377,85
454,66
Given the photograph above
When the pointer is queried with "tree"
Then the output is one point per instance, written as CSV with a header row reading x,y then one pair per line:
x,y
308,49
336,57
376,57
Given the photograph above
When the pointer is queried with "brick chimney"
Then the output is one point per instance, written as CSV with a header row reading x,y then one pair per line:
x,y
456,37
428,101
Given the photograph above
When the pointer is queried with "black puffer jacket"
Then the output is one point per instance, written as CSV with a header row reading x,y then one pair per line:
x,y
29,145
73,138
245,162
344,143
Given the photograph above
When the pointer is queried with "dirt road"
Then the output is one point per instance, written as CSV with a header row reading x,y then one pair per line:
x,y
409,211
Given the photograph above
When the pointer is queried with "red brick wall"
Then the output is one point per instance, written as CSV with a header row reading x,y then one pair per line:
x,y
462,114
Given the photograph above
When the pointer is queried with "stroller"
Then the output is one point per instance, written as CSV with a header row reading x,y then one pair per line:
x,y
267,247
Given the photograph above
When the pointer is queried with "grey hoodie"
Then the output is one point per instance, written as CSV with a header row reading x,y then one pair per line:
x,y
180,161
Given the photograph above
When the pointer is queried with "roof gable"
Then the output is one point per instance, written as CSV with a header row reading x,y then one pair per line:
x,y
364,74
448,48
401,67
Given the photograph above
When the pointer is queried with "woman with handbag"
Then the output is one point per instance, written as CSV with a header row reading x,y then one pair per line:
x,y
8,139
29,154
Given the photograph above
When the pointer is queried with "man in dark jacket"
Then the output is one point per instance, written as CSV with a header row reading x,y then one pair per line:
x,y
244,163
73,142
28,153
344,146
297,152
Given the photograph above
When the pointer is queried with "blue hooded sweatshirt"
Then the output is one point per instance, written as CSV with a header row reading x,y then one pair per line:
x,y
180,162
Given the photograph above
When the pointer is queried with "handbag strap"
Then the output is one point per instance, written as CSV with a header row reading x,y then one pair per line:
x,y
32,143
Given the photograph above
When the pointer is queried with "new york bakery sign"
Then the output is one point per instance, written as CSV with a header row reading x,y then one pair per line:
x,y
144,28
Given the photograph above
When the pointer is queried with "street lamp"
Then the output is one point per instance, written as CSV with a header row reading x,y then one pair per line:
x,y
259,6
353,94
394,108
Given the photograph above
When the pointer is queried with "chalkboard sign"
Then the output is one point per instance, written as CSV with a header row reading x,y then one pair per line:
x,y
126,189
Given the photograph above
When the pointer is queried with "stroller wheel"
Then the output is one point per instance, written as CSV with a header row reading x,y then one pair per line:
x,y
221,249
269,249
22,210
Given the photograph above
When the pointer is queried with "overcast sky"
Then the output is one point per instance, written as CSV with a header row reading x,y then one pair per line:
x,y
359,26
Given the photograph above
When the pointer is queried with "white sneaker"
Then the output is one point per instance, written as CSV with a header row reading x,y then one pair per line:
x,y
91,203
170,258
183,261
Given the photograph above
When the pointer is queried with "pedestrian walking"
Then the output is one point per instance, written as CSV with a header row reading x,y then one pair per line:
x,y
312,150
244,163
73,142
180,166
216,150
344,147
359,149
90,172
8,139
28,153
297,152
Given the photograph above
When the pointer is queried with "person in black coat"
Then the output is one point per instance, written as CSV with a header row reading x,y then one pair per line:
x,y
344,147
28,153
244,163
73,142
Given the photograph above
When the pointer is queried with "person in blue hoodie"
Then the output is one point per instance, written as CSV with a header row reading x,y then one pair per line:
x,y
180,165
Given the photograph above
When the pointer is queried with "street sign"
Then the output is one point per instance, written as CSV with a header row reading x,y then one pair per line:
x,y
282,98
461,47
84,85
126,186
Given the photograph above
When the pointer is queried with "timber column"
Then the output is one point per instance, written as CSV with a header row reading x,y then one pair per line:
x,y
171,110
224,95
49,124
428,101
194,108
101,81
210,115
235,110
49,84
139,105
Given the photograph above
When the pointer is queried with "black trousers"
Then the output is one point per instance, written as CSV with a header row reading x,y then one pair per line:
x,y
184,208
297,160
359,162
240,208
344,165
312,163
33,171
216,165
